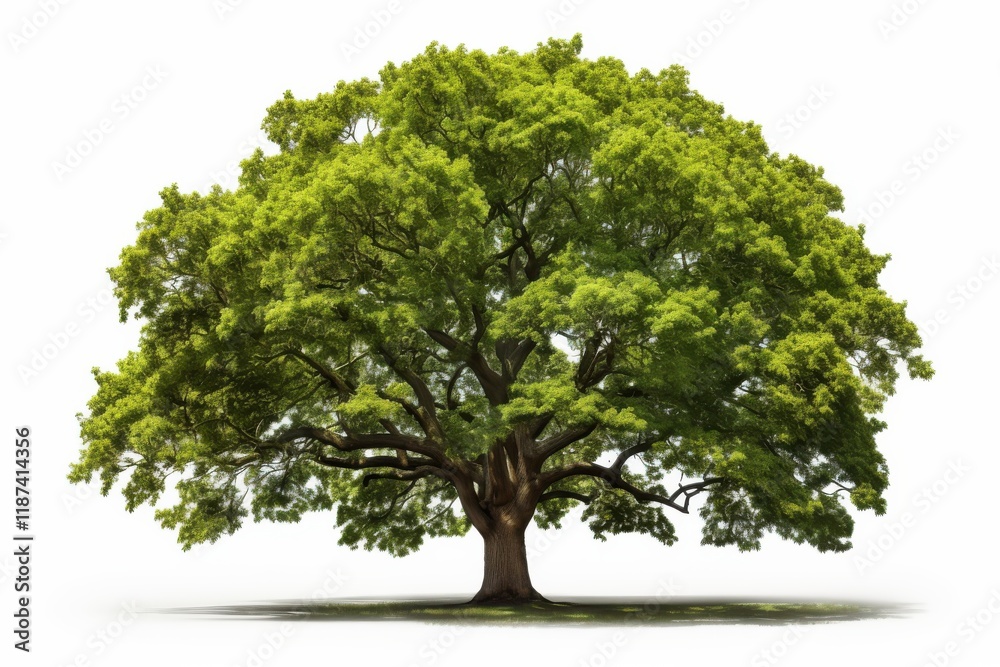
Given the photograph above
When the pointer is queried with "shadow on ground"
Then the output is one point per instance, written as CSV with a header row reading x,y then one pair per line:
x,y
678,610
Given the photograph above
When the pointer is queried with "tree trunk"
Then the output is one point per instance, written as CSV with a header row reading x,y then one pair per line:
x,y
505,573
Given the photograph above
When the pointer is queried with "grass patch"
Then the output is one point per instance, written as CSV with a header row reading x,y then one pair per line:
x,y
674,612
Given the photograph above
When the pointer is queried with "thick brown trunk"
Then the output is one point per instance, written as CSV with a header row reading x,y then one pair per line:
x,y
505,573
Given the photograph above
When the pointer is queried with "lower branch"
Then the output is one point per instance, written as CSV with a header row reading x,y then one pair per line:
x,y
401,475
613,478
571,495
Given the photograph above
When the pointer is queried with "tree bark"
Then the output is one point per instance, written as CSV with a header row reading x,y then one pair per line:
x,y
505,572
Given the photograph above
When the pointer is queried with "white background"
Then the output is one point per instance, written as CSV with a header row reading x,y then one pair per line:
x,y
861,88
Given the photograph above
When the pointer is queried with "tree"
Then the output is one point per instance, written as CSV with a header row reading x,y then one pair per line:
x,y
487,289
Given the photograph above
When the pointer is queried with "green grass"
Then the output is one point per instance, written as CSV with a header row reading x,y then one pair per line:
x,y
565,613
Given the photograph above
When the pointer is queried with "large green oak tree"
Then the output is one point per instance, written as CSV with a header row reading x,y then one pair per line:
x,y
490,289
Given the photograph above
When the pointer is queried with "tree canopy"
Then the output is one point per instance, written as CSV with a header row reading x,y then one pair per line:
x,y
489,288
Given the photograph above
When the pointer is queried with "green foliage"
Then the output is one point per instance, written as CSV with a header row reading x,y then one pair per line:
x,y
389,517
615,512
671,278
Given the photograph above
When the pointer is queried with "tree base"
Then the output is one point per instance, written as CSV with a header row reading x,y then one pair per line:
x,y
506,598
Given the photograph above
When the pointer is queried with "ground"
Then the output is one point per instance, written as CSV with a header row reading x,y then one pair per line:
x,y
593,611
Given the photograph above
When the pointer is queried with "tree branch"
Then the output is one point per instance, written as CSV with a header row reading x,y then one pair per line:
x,y
626,454
360,442
560,493
426,416
555,443
614,479
512,355
400,475
366,462
344,387
492,382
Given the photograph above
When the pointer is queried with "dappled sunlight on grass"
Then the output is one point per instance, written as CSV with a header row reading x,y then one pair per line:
x,y
604,612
